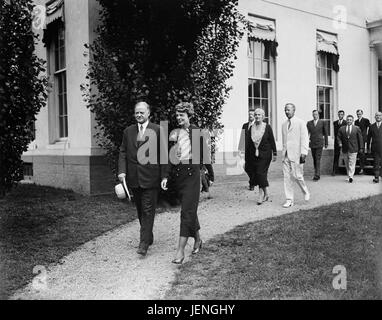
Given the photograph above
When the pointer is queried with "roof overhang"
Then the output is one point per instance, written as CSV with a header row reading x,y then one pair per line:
x,y
374,24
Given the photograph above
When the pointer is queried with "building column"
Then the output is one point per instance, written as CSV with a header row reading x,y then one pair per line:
x,y
373,80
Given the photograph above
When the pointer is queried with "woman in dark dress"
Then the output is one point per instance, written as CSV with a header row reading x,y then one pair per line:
x,y
262,150
185,168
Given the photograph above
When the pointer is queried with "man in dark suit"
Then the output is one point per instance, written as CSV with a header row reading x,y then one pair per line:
x,y
364,125
143,163
318,138
351,142
337,151
245,138
374,139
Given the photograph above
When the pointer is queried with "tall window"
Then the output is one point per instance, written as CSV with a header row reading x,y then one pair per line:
x,y
57,72
325,87
261,65
259,82
327,68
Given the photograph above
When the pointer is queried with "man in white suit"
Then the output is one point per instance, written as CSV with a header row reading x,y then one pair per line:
x,y
295,149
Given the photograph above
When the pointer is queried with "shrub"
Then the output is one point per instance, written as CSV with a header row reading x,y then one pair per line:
x,y
162,52
22,89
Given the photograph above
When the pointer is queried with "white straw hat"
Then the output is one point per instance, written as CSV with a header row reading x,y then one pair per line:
x,y
122,191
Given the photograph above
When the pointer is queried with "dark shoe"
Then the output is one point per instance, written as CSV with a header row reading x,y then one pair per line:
x,y
196,250
142,249
316,178
376,180
178,261
350,180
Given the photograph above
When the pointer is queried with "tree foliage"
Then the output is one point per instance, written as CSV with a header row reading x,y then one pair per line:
x,y
22,90
162,52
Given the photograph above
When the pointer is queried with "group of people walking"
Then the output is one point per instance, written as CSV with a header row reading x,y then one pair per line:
x,y
182,166
146,173
257,146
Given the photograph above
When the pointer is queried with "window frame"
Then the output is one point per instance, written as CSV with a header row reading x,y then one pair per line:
x,y
331,86
57,72
270,81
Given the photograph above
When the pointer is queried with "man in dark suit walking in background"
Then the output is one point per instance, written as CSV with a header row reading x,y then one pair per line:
x,y
364,125
318,138
337,151
144,171
245,138
351,142
374,139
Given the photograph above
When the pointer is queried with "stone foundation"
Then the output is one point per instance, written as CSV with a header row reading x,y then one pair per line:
x,y
83,174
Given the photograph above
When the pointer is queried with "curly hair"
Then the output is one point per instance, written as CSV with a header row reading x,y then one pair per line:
x,y
186,107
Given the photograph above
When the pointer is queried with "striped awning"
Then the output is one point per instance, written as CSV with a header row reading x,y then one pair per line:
x,y
54,11
327,42
261,29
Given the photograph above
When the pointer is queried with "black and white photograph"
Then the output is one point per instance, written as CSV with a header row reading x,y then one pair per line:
x,y
204,151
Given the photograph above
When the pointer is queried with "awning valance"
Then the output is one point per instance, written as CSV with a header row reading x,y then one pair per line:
x,y
54,11
261,29
327,42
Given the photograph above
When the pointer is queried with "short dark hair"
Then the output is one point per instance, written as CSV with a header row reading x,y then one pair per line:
x,y
186,107
341,111
315,110
359,110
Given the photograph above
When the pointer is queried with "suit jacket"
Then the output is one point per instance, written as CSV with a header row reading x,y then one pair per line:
x,y
364,124
267,145
352,144
295,139
337,126
133,153
375,139
317,134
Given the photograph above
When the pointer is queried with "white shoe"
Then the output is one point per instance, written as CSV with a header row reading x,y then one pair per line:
x,y
307,196
288,204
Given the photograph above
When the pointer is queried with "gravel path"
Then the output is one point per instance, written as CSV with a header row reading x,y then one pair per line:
x,y
109,268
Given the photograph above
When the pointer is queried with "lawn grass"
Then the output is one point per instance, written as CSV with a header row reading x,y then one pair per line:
x,y
40,225
291,257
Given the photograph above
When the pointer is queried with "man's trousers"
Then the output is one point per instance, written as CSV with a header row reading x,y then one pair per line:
x,y
317,154
337,153
350,162
293,172
146,201
377,164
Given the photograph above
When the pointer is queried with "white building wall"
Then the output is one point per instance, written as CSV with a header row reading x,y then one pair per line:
x,y
72,165
296,25
78,29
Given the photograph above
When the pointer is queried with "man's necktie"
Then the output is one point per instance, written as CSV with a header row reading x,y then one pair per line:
x,y
289,124
348,131
141,132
